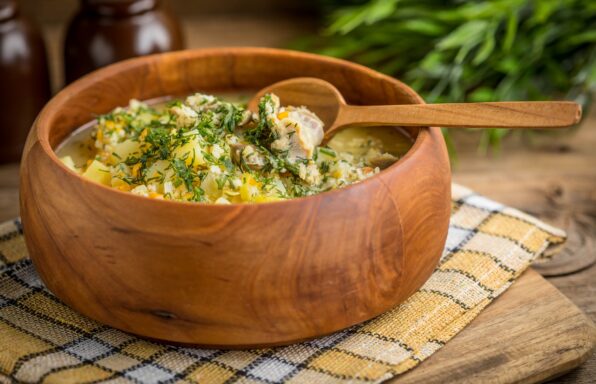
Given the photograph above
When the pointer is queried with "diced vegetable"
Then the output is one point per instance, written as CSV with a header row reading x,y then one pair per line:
x,y
208,150
98,172
127,148
191,152
67,160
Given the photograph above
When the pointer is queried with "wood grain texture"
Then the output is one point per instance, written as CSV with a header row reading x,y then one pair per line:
x,y
503,114
529,334
328,103
238,275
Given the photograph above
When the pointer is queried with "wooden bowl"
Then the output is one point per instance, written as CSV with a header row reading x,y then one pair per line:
x,y
231,275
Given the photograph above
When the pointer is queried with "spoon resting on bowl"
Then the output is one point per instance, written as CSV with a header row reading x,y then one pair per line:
x,y
322,98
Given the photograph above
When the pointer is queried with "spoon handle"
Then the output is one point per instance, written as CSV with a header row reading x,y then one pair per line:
x,y
509,114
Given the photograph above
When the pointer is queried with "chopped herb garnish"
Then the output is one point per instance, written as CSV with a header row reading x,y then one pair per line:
x,y
205,149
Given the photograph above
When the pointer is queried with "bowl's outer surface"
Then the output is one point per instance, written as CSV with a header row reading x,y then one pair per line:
x,y
238,275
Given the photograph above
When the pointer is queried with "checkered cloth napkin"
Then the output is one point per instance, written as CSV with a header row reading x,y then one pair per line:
x,y
489,245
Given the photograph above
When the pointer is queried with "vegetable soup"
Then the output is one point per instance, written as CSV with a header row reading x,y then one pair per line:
x,y
213,150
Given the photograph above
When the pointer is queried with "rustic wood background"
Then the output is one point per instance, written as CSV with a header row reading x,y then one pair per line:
x,y
552,176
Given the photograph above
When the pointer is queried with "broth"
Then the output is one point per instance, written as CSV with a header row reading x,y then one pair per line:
x,y
211,155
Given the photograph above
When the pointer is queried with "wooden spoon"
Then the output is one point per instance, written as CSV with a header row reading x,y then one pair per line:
x,y
322,98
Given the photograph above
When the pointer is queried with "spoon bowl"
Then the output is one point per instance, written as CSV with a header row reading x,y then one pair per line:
x,y
318,95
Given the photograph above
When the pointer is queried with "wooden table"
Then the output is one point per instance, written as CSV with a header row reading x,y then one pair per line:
x,y
553,178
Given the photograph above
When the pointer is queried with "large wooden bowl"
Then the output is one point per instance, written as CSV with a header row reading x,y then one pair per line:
x,y
236,275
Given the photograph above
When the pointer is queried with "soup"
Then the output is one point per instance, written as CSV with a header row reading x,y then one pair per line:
x,y
206,149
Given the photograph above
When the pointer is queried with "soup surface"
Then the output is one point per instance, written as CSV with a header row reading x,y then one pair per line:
x,y
206,149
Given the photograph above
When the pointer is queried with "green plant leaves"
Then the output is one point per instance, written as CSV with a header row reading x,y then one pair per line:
x,y
475,50
350,19
510,31
467,34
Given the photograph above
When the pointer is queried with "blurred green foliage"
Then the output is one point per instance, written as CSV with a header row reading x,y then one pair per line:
x,y
475,50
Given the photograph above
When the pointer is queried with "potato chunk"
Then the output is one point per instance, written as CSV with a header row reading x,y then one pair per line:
x,y
67,160
127,148
191,152
98,172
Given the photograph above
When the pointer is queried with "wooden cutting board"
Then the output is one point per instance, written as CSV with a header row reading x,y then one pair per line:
x,y
530,334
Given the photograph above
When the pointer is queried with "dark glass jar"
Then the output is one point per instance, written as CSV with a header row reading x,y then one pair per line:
x,y
24,79
105,31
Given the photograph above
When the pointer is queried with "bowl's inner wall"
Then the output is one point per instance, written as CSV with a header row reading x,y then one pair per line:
x,y
116,85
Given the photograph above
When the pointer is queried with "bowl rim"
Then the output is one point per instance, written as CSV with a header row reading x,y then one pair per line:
x,y
42,124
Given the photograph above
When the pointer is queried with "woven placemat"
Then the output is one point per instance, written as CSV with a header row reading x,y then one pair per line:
x,y
489,245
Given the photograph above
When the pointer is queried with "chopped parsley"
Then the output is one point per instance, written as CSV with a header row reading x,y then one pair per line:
x,y
204,149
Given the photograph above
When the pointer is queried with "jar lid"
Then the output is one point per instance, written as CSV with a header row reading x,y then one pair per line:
x,y
119,7
8,9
